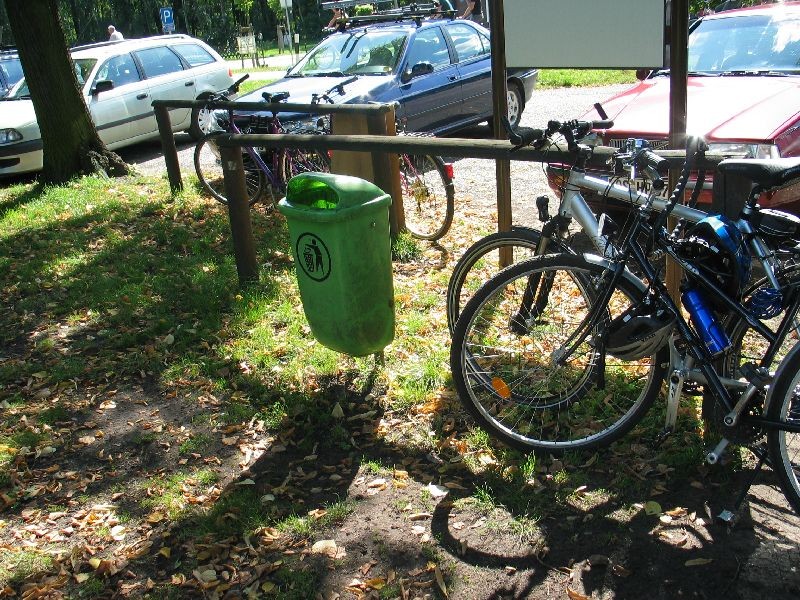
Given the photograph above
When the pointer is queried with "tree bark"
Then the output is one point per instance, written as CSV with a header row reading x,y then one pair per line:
x,y
71,144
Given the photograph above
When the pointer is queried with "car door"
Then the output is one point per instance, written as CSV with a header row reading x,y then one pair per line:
x,y
473,56
117,112
166,80
431,101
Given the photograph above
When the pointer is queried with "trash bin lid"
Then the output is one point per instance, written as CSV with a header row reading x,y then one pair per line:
x,y
330,192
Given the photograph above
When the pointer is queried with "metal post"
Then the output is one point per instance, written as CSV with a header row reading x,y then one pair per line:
x,y
291,38
678,64
239,215
500,108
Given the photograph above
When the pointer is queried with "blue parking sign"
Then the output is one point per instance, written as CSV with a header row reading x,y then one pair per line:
x,y
167,19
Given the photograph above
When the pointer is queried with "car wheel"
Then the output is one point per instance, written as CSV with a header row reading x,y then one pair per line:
x,y
515,104
200,122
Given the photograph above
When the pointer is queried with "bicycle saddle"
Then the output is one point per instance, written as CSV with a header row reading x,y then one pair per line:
x,y
275,97
768,173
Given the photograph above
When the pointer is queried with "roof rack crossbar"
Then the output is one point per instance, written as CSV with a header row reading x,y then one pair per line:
x,y
395,15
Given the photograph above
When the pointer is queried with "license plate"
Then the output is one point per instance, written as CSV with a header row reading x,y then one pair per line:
x,y
641,185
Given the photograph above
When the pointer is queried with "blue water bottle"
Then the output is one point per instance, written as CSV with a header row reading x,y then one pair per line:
x,y
705,322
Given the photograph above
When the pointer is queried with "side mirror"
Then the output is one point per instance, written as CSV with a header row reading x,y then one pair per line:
x,y
102,85
421,68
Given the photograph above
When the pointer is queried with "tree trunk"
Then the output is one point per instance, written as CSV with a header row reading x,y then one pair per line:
x,y
71,144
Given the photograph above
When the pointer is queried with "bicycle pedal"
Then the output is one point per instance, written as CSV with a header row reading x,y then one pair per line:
x,y
661,437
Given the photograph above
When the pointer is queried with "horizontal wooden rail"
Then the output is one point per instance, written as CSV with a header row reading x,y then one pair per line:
x,y
450,147
278,107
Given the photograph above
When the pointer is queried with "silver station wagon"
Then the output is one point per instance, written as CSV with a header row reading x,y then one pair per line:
x,y
119,81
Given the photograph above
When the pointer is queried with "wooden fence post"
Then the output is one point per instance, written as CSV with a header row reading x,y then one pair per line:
x,y
168,148
239,214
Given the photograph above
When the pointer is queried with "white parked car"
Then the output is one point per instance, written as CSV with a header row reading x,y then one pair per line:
x,y
120,80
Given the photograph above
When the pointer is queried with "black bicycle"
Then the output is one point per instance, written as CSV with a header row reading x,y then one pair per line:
x,y
566,352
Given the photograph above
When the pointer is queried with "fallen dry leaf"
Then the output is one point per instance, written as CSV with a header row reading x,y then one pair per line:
x,y
576,595
698,562
440,581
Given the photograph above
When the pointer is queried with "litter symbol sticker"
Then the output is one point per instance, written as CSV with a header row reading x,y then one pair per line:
x,y
313,256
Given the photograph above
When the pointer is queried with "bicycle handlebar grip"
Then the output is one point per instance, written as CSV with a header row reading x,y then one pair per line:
x,y
650,159
604,124
524,136
235,85
521,136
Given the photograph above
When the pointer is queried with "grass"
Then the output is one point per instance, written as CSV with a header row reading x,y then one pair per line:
x,y
17,565
551,78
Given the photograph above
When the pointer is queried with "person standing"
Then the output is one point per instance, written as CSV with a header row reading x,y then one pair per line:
x,y
113,34
474,12
338,14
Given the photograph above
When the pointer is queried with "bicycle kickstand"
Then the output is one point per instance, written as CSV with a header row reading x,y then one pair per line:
x,y
729,517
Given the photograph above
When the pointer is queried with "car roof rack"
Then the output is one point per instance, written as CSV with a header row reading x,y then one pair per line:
x,y
415,11
118,42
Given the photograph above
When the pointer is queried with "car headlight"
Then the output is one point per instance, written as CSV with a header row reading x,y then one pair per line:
x,y
9,136
749,150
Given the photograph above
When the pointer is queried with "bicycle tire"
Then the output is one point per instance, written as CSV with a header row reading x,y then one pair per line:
x,y
511,386
477,264
208,166
428,195
295,161
784,446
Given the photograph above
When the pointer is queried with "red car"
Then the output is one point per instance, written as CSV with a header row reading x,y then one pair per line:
x,y
743,91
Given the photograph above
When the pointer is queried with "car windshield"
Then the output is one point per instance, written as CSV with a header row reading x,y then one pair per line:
x,y
752,43
83,66
12,69
357,51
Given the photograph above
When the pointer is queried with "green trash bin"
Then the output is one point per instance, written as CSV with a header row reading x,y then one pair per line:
x,y
339,231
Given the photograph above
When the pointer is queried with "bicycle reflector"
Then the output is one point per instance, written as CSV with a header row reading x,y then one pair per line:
x,y
448,168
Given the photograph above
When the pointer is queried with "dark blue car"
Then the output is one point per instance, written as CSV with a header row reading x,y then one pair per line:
x,y
438,70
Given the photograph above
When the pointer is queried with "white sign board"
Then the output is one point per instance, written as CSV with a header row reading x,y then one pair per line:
x,y
246,44
286,4
593,34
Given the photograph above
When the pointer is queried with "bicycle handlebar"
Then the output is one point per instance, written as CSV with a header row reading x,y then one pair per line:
x,y
571,130
229,91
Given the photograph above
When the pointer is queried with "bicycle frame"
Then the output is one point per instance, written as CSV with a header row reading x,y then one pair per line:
x,y
232,128
573,205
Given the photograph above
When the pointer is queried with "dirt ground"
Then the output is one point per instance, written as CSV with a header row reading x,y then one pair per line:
x,y
410,533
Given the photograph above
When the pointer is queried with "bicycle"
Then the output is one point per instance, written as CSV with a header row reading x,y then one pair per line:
x,y
259,177
567,352
523,242
426,183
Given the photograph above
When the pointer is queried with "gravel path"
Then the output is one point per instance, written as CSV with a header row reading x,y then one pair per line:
x,y
475,178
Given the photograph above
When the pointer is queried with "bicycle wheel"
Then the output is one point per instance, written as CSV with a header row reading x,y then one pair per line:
x,y
208,166
784,446
509,379
295,161
428,196
482,260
